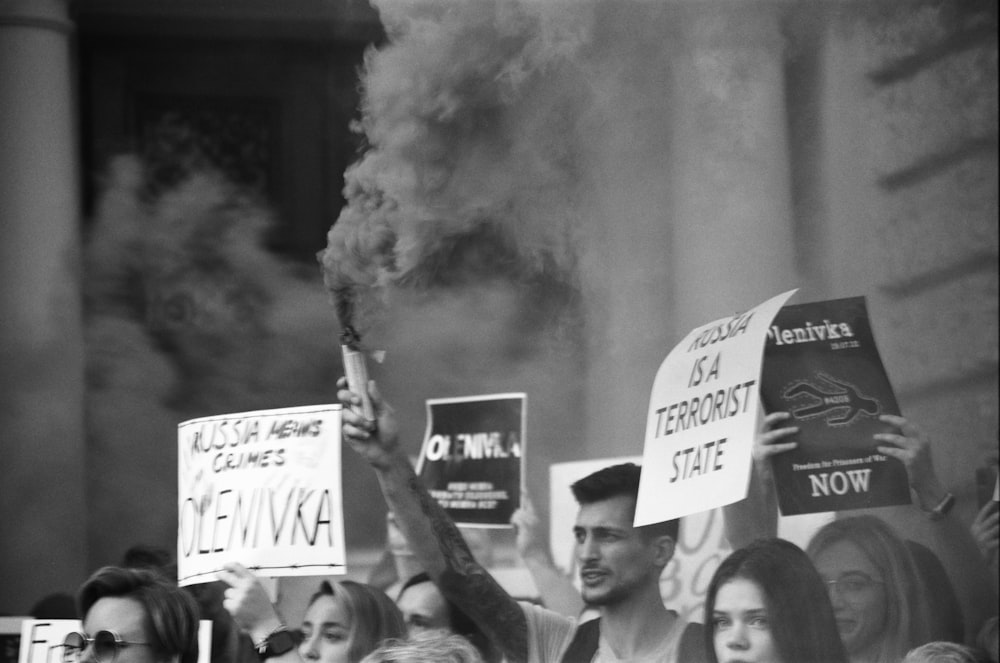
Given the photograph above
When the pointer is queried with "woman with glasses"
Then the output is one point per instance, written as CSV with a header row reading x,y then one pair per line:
x,y
878,598
767,604
876,587
344,621
133,616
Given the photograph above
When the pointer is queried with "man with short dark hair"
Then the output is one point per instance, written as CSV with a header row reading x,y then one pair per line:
x,y
425,609
620,565
134,616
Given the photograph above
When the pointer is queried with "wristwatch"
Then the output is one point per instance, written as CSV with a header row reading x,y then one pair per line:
x,y
278,642
942,509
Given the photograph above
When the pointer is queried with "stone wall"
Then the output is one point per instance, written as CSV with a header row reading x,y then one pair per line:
x,y
908,175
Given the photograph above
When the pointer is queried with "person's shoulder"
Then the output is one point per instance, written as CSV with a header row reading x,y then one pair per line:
x,y
693,629
691,648
549,632
539,613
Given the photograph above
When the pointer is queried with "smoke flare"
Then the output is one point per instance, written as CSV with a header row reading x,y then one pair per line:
x,y
466,177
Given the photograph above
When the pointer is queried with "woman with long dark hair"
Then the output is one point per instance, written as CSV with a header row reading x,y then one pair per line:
x,y
889,594
766,603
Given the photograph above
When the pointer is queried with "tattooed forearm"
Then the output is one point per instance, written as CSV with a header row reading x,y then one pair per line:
x,y
470,586
499,616
456,551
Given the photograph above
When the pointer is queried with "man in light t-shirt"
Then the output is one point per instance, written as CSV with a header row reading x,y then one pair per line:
x,y
620,565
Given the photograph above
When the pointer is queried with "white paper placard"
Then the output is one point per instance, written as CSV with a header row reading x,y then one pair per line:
x,y
702,417
261,488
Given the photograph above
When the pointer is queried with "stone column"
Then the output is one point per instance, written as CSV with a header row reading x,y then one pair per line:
x,y
698,200
42,502
733,243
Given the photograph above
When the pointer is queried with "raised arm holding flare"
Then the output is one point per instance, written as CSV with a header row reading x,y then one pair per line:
x,y
620,565
431,534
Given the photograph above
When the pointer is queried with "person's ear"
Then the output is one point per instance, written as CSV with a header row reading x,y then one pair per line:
x,y
664,545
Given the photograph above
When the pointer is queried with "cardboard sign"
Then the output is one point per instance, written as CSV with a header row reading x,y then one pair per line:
x,y
263,489
821,365
42,639
472,458
702,417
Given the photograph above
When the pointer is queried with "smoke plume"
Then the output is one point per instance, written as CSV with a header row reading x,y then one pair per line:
x,y
467,172
187,314
506,140
496,132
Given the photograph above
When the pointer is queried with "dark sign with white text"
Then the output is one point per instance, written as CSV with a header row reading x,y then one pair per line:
x,y
471,460
821,365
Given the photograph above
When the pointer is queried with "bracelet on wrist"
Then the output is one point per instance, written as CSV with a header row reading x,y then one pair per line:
x,y
942,508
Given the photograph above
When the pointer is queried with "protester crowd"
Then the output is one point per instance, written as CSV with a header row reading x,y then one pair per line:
x,y
859,592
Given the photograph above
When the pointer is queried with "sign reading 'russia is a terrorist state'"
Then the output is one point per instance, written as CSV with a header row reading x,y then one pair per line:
x,y
702,416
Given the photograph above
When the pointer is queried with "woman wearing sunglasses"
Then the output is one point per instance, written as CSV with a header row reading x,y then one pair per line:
x,y
133,616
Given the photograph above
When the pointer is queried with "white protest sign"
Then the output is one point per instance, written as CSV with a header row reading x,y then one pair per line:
x,y
42,639
261,488
702,416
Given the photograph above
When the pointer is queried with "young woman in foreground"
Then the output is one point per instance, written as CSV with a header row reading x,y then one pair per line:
x,y
766,603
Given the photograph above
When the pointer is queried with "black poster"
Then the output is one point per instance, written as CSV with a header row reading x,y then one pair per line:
x,y
822,366
471,460
10,644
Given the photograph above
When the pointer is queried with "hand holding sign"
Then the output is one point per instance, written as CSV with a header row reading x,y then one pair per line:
x,y
772,441
986,530
247,601
529,543
701,418
911,445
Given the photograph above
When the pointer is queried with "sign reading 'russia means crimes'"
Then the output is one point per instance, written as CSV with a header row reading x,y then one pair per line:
x,y
261,488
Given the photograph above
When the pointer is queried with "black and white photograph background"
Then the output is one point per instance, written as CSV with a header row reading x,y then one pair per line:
x,y
199,199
